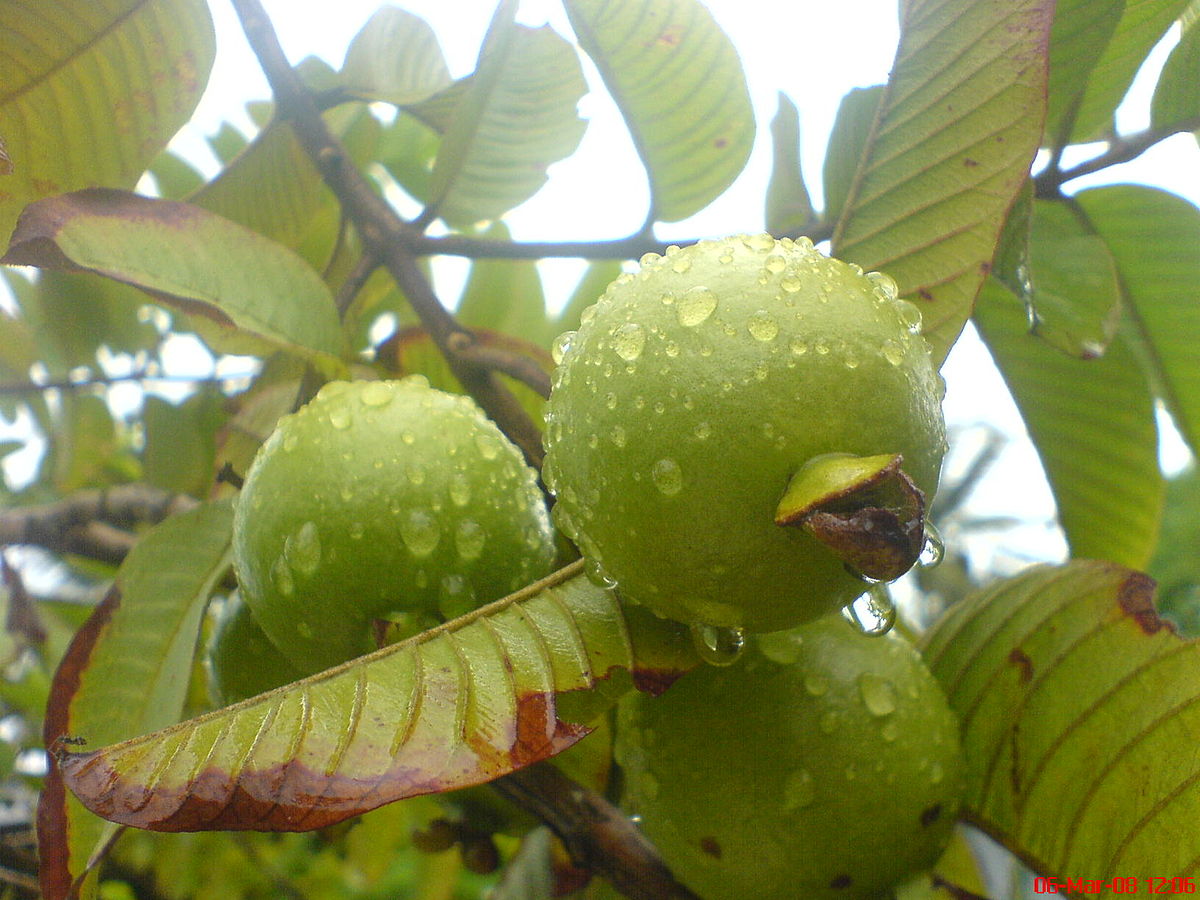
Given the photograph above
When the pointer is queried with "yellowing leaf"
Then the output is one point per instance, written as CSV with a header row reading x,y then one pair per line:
x,y
511,684
93,91
1079,708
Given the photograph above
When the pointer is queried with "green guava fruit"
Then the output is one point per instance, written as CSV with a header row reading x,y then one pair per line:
x,y
239,660
697,389
823,764
378,499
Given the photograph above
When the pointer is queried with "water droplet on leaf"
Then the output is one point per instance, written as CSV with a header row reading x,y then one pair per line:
x,y
716,645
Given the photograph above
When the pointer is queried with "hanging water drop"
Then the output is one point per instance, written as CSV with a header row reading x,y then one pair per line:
x,y
562,346
873,613
597,575
716,645
933,550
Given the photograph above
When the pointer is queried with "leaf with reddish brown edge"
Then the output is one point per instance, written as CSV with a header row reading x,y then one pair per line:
x,y
126,671
411,351
1079,707
188,258
513,683
950,146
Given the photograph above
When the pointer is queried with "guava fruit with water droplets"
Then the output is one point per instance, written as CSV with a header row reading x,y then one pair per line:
x,y
381,499
823,764
698,388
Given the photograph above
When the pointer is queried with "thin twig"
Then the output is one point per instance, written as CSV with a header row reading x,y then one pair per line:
x,y
36,387
1120,150
598,836
385,235
516,365
363,269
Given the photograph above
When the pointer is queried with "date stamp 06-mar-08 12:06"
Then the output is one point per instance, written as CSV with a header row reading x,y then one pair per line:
x,y
1129,885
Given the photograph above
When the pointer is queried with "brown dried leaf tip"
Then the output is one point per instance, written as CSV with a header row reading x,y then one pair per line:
x,y
865,509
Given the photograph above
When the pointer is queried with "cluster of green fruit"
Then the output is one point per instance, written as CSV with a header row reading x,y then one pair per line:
x,y
739,435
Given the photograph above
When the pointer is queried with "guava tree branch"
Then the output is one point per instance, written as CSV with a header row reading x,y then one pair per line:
x,y
599,837
1121,149
91,523
385,235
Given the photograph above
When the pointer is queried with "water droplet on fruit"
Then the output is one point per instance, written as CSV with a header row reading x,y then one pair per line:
x,y
933,550
760,242
303,549
681,264
850,360
910,316
460,489
799,790
799,347
357,530
695,306
488,448
376,393
936,773
562,346
289,443
702,431
775,263
890,731
628,341
281,577
716,645
648,259
872,614
339,418
790,283
416,474
828,722
597,575
420,532
617,435
762,326
667,477
883,286
893,352
469,539
816,684
783,647
822,348
878,694
456,597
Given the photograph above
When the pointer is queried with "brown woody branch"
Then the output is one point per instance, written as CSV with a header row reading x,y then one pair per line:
x,y
385,235
93,523
599,837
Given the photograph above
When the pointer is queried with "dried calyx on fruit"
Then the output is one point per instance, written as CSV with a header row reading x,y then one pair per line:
x,y
744,430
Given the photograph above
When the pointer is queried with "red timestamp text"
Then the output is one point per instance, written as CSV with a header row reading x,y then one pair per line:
x,y
1180,884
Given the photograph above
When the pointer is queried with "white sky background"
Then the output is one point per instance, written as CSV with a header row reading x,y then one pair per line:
x,y
813,50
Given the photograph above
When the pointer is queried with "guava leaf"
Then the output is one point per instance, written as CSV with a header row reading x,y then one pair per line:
x,y
950,148
512,118
1078,38
1154,237
598,276
679,84
506,295
395,58
509,685
127,669
413,352
1177,96
143,64
1092,422
187,258
1142,25
789,208
1076,298
851,128
1078,705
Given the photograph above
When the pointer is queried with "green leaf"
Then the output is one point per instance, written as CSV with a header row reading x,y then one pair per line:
x,y
93,91
789,209
1154,237
127,669
407,149
180,441
1177,96
1078,705
679,84
957,129
595,280
851,130
1076,299
229,274
1175,566
394,58
512,118
511,684
1142,25
1092,422
1078,38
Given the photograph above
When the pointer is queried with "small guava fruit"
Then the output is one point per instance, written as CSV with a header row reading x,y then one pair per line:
x,y
823,764
378,499
239,660
697,389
